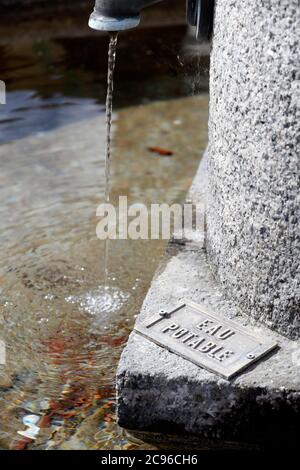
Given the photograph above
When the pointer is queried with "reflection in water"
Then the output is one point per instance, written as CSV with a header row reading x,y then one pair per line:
x,y
25,113
63,331
62,80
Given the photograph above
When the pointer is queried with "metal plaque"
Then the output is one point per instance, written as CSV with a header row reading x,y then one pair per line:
x,y
202,337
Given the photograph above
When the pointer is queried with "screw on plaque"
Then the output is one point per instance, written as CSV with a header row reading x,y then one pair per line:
x,y
251,356
161,315
164,313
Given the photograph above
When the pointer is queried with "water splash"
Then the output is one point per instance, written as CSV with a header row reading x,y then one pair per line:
x,y
100,301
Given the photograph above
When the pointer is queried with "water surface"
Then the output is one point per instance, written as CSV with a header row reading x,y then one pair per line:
x,y
63,331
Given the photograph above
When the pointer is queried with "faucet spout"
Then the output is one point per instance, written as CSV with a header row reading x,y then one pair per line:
x,y
117,15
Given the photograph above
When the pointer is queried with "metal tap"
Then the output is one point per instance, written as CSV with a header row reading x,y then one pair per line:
x,y
118,15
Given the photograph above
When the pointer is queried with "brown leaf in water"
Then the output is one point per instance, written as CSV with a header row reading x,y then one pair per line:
x,y
108,419
68,414
113,341
105,392
45,421
55,405
81,401
55,345
106,406
22,444
161,151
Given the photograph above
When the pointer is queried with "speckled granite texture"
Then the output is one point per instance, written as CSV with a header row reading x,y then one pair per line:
x,y
253,214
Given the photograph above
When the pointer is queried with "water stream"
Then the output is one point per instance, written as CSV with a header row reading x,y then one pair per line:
x,y
109,105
